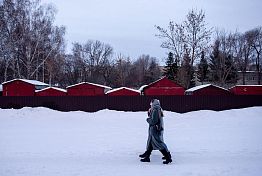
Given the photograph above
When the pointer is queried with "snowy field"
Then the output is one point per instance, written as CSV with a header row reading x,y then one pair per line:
x,y
44,142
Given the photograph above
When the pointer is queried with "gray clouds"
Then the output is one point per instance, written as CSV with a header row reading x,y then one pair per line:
x,y
129,25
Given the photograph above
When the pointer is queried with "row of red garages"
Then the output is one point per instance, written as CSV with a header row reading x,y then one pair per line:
x,y
163,86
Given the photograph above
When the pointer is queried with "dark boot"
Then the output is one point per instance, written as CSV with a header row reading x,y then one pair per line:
x,y
146,154
169,159
167,156
146,159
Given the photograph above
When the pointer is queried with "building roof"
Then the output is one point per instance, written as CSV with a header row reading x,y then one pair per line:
x,y
142,88
203,86
197,88
245,86
247,71
98,85
33,82
155,82
56,88
164,77
120,88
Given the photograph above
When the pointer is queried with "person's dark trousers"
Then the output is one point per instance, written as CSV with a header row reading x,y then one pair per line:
x,y
146,156
167,156
147,153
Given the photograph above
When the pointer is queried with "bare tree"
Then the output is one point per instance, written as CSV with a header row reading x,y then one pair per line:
x,y
223,57
197,34
188,39
123,66
99,55
147,69
255,36
73,70
192,36
96,58
246,40
28,38
8,29
185,72
173,39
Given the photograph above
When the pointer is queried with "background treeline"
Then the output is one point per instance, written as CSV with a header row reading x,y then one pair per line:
x,y
200,54
33,47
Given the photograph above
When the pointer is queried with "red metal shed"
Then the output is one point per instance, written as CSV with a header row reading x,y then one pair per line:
x,y
207,89
246,90
163,86
123,91
22,87
87,89
51,91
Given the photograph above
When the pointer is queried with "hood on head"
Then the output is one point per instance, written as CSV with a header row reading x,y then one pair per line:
x,y
155,102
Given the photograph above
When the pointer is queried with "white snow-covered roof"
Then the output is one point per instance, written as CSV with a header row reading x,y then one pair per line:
x,y
247,71
120,88
56,88
202,86
34,82
197,88
142,88
155,81
1,88
164,77
98,85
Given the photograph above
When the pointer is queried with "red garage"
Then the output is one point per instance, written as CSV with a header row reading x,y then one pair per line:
x,y
51,91
123,91
163,86
207,89
22,87
246,90
87,89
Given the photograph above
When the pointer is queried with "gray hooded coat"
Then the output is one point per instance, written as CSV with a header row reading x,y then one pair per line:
x,y
156,128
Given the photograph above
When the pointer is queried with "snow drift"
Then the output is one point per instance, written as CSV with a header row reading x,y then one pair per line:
x,y
44,142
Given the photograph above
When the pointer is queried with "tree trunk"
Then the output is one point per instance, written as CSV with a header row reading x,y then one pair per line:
x,y
6,68
50,79
258,68
244,77
43,71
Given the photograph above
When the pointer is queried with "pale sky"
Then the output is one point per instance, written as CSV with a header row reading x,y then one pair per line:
x,y
128,25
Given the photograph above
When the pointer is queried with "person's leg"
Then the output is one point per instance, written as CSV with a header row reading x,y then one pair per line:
x,y
147,153
146,156
161,137
149,149
167,156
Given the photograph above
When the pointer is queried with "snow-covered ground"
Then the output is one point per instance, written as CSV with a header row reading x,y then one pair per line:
x,y
43,142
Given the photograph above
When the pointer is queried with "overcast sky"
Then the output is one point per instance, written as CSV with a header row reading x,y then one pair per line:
x,y
128,25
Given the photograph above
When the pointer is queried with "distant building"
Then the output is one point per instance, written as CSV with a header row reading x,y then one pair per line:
x,y
251,77
87,89
51,91
207,89
22,87
163,86
123,91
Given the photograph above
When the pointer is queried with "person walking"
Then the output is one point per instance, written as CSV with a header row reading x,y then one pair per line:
x,y
155,139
